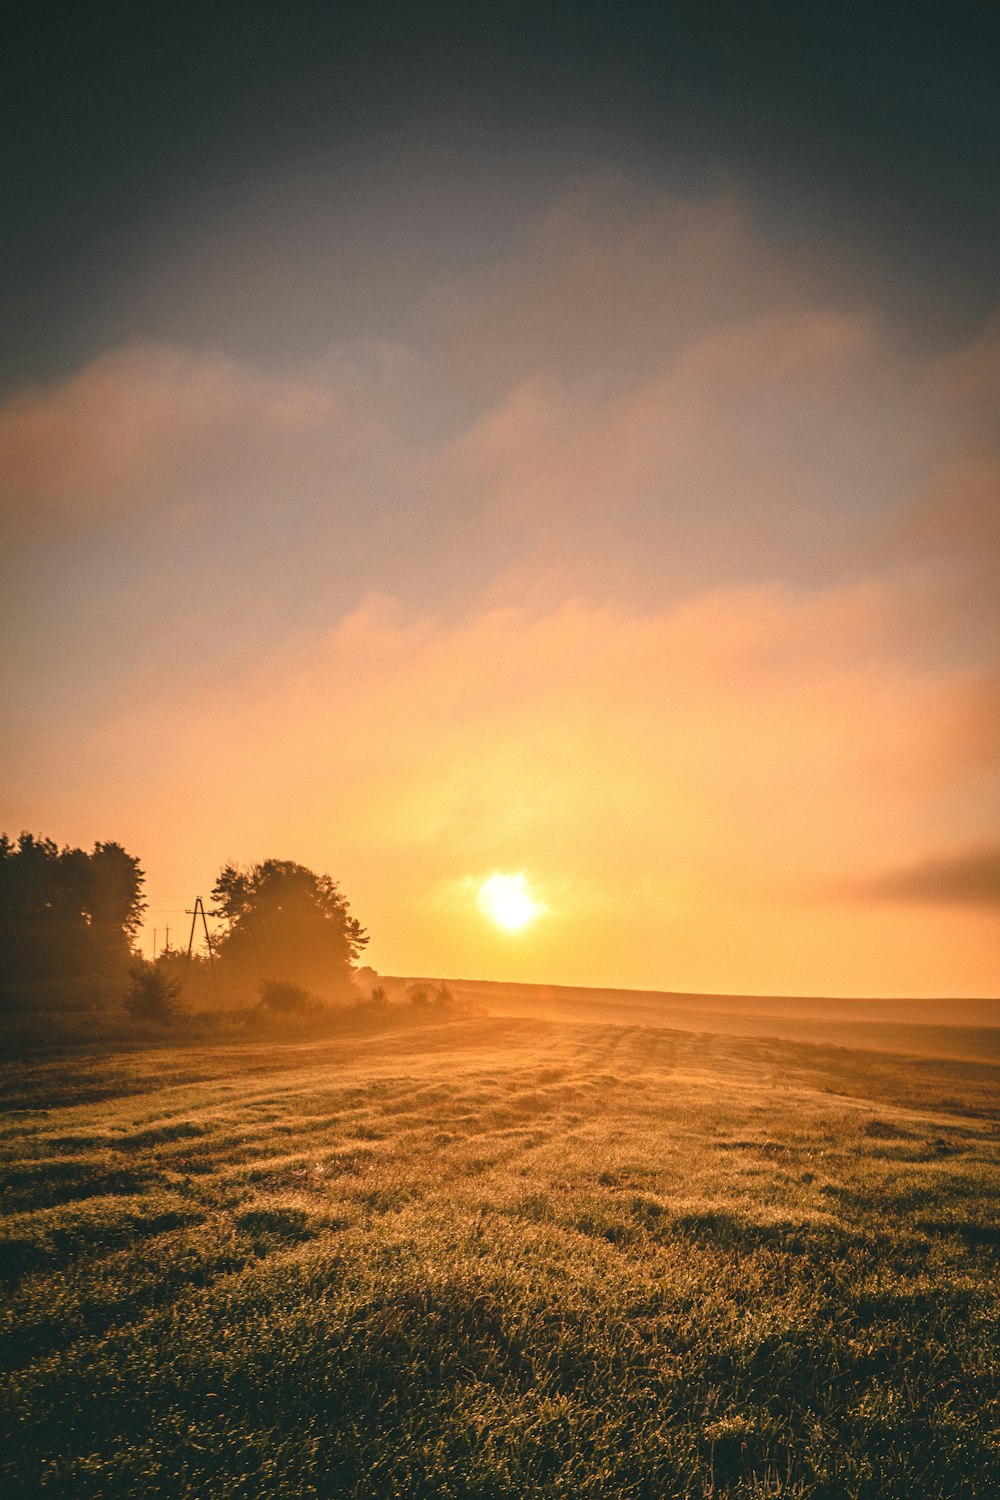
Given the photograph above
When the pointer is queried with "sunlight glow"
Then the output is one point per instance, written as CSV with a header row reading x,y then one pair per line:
x,y
506,900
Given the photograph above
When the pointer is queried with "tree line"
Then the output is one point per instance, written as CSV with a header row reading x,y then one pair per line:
x,y
69,923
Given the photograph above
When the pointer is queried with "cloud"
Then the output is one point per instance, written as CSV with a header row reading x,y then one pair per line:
x,y
971,878
639,561
646,400
609,286
676,785
142,424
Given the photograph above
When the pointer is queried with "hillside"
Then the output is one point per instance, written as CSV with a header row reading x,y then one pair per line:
x,y
958,1028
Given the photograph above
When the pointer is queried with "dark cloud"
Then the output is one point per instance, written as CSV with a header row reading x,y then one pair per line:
x,y
123,129
968,879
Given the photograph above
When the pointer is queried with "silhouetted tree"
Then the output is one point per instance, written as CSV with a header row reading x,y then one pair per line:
x,y
65,913
152,994
115,904
286,922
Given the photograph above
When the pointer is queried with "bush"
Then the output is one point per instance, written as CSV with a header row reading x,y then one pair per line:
x,y
152,994
286,998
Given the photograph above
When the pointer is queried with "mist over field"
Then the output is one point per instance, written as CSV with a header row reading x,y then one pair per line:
x,y
933,1028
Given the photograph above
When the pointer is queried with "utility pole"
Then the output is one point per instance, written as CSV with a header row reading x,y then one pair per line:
x,y
194,912
154,944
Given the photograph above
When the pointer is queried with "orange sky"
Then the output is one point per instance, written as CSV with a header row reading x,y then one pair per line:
x,y
645,561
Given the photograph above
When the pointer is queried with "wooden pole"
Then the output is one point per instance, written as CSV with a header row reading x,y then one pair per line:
x,y
208,936
194,912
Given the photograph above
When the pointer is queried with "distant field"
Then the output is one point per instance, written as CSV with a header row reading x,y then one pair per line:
x,y
931,1028
502,1257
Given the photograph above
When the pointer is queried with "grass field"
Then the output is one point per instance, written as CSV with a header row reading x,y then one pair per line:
x,y
502,1257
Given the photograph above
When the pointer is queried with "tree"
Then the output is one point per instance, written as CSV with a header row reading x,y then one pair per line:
x,y
286,922
152,994
115,905
65,913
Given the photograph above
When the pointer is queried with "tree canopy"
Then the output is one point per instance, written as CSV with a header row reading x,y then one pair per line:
x,y
65,913
286,923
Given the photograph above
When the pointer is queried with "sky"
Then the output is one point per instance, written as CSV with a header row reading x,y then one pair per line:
x,y
440,443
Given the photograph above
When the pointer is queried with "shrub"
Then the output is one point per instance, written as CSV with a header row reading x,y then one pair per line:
x,y
285,998
443,1001
151,995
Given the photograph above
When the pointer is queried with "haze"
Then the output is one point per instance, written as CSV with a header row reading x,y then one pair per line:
x,y
596,495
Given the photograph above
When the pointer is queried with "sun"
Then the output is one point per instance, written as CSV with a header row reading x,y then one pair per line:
x,y
507,901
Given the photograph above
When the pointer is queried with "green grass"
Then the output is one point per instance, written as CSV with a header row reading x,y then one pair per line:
x,y
501,1258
